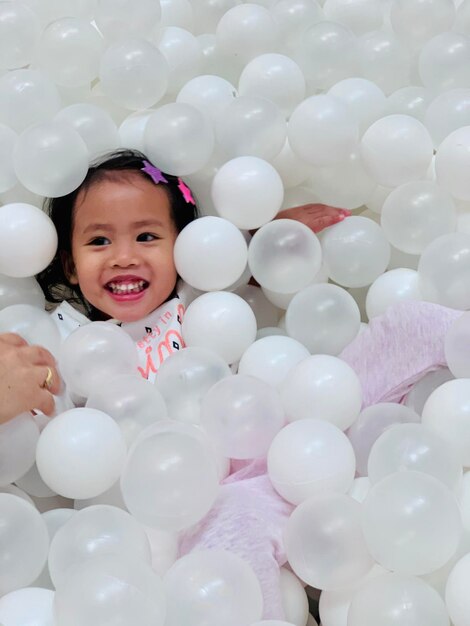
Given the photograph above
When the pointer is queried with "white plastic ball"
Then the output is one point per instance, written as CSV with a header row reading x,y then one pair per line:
x,y
177,13
28,240
94,353
456,598
456,347
222,322
33,324
170,480
416,22
81,453
94,125
361,16
27,97
183,54
310,456
294,599
323,387
322,131
20,291
324,318
204,588
19,34
284,256
24,543
355,251
384,60
313,532
394,286
266,313
31,606
208,93
411,100
292,170
452,161
126,18
247,191
132,130
444,62
397,149
364,99
133,73
8,139
395,522
50,159
18,440
444,271
447,112
210,253
421,390
293,17
179,139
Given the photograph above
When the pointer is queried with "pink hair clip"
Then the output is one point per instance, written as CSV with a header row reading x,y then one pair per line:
x,y
186,191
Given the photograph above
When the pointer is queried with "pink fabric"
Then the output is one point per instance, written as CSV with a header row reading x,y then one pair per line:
x,y
390,356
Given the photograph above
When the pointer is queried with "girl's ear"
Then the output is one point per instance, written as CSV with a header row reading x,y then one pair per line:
x,y
69,267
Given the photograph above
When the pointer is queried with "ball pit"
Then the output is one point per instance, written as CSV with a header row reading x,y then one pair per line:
x,y
261,106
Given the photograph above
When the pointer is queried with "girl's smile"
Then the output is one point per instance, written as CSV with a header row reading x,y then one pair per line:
x,y
122,247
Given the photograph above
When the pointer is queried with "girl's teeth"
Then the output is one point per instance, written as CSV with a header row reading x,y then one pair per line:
x,y
127,287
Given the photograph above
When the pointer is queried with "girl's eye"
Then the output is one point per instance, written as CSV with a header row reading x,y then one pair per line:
x,y
146,237
99,241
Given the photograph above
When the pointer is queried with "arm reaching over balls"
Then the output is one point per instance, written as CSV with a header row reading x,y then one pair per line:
x,y
316,216
248,519
28,378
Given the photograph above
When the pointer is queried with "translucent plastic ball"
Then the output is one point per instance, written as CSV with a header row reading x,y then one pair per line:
x,y
275,77
33,324
107,588
170,480
20,291
92,532
27,97
132,129
313,533
177,13
50,159
394,600
397,149
392,287
322,131
323,387
69,51
24,543
81,453
444,62
292,170
33,485
384,60
294,599
179,139
364,99
210,253
324,318
421,390
185,377
355,251
29,606
396,518
246,31
452,161
126,18
310,456
18,440
456,596
94,125
411,100
272,358
28,240
361,17
371,423
327,53
241,415
444,271
446,412
183,54
93,354
132,402
357,188
415,22
284,256
50,10
251,126
447,112
456,344
208,93
416,213
222,322
133,73
8,139
294,17
19,34
247,191
414,447
266,313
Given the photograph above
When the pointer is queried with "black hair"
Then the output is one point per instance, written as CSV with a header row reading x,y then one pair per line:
x,y
53,280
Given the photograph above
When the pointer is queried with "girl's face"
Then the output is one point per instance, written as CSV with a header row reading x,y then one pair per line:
x,y
122,247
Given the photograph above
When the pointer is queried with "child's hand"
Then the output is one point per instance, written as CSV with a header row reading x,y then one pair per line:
x,y
23,373
315,216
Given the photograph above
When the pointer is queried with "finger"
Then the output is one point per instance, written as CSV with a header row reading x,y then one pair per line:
x,y
54,381
321,223
12,339
38,355
44,402
327,210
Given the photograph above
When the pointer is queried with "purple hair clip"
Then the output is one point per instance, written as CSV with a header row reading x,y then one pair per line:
x,y
157,177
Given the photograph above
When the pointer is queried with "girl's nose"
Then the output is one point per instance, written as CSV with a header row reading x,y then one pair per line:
x,y
124,255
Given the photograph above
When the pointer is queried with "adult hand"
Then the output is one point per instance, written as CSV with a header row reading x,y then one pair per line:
x,y
315,216
23,373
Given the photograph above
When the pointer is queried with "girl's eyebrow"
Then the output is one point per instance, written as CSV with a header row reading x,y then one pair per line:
x,y
108,227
